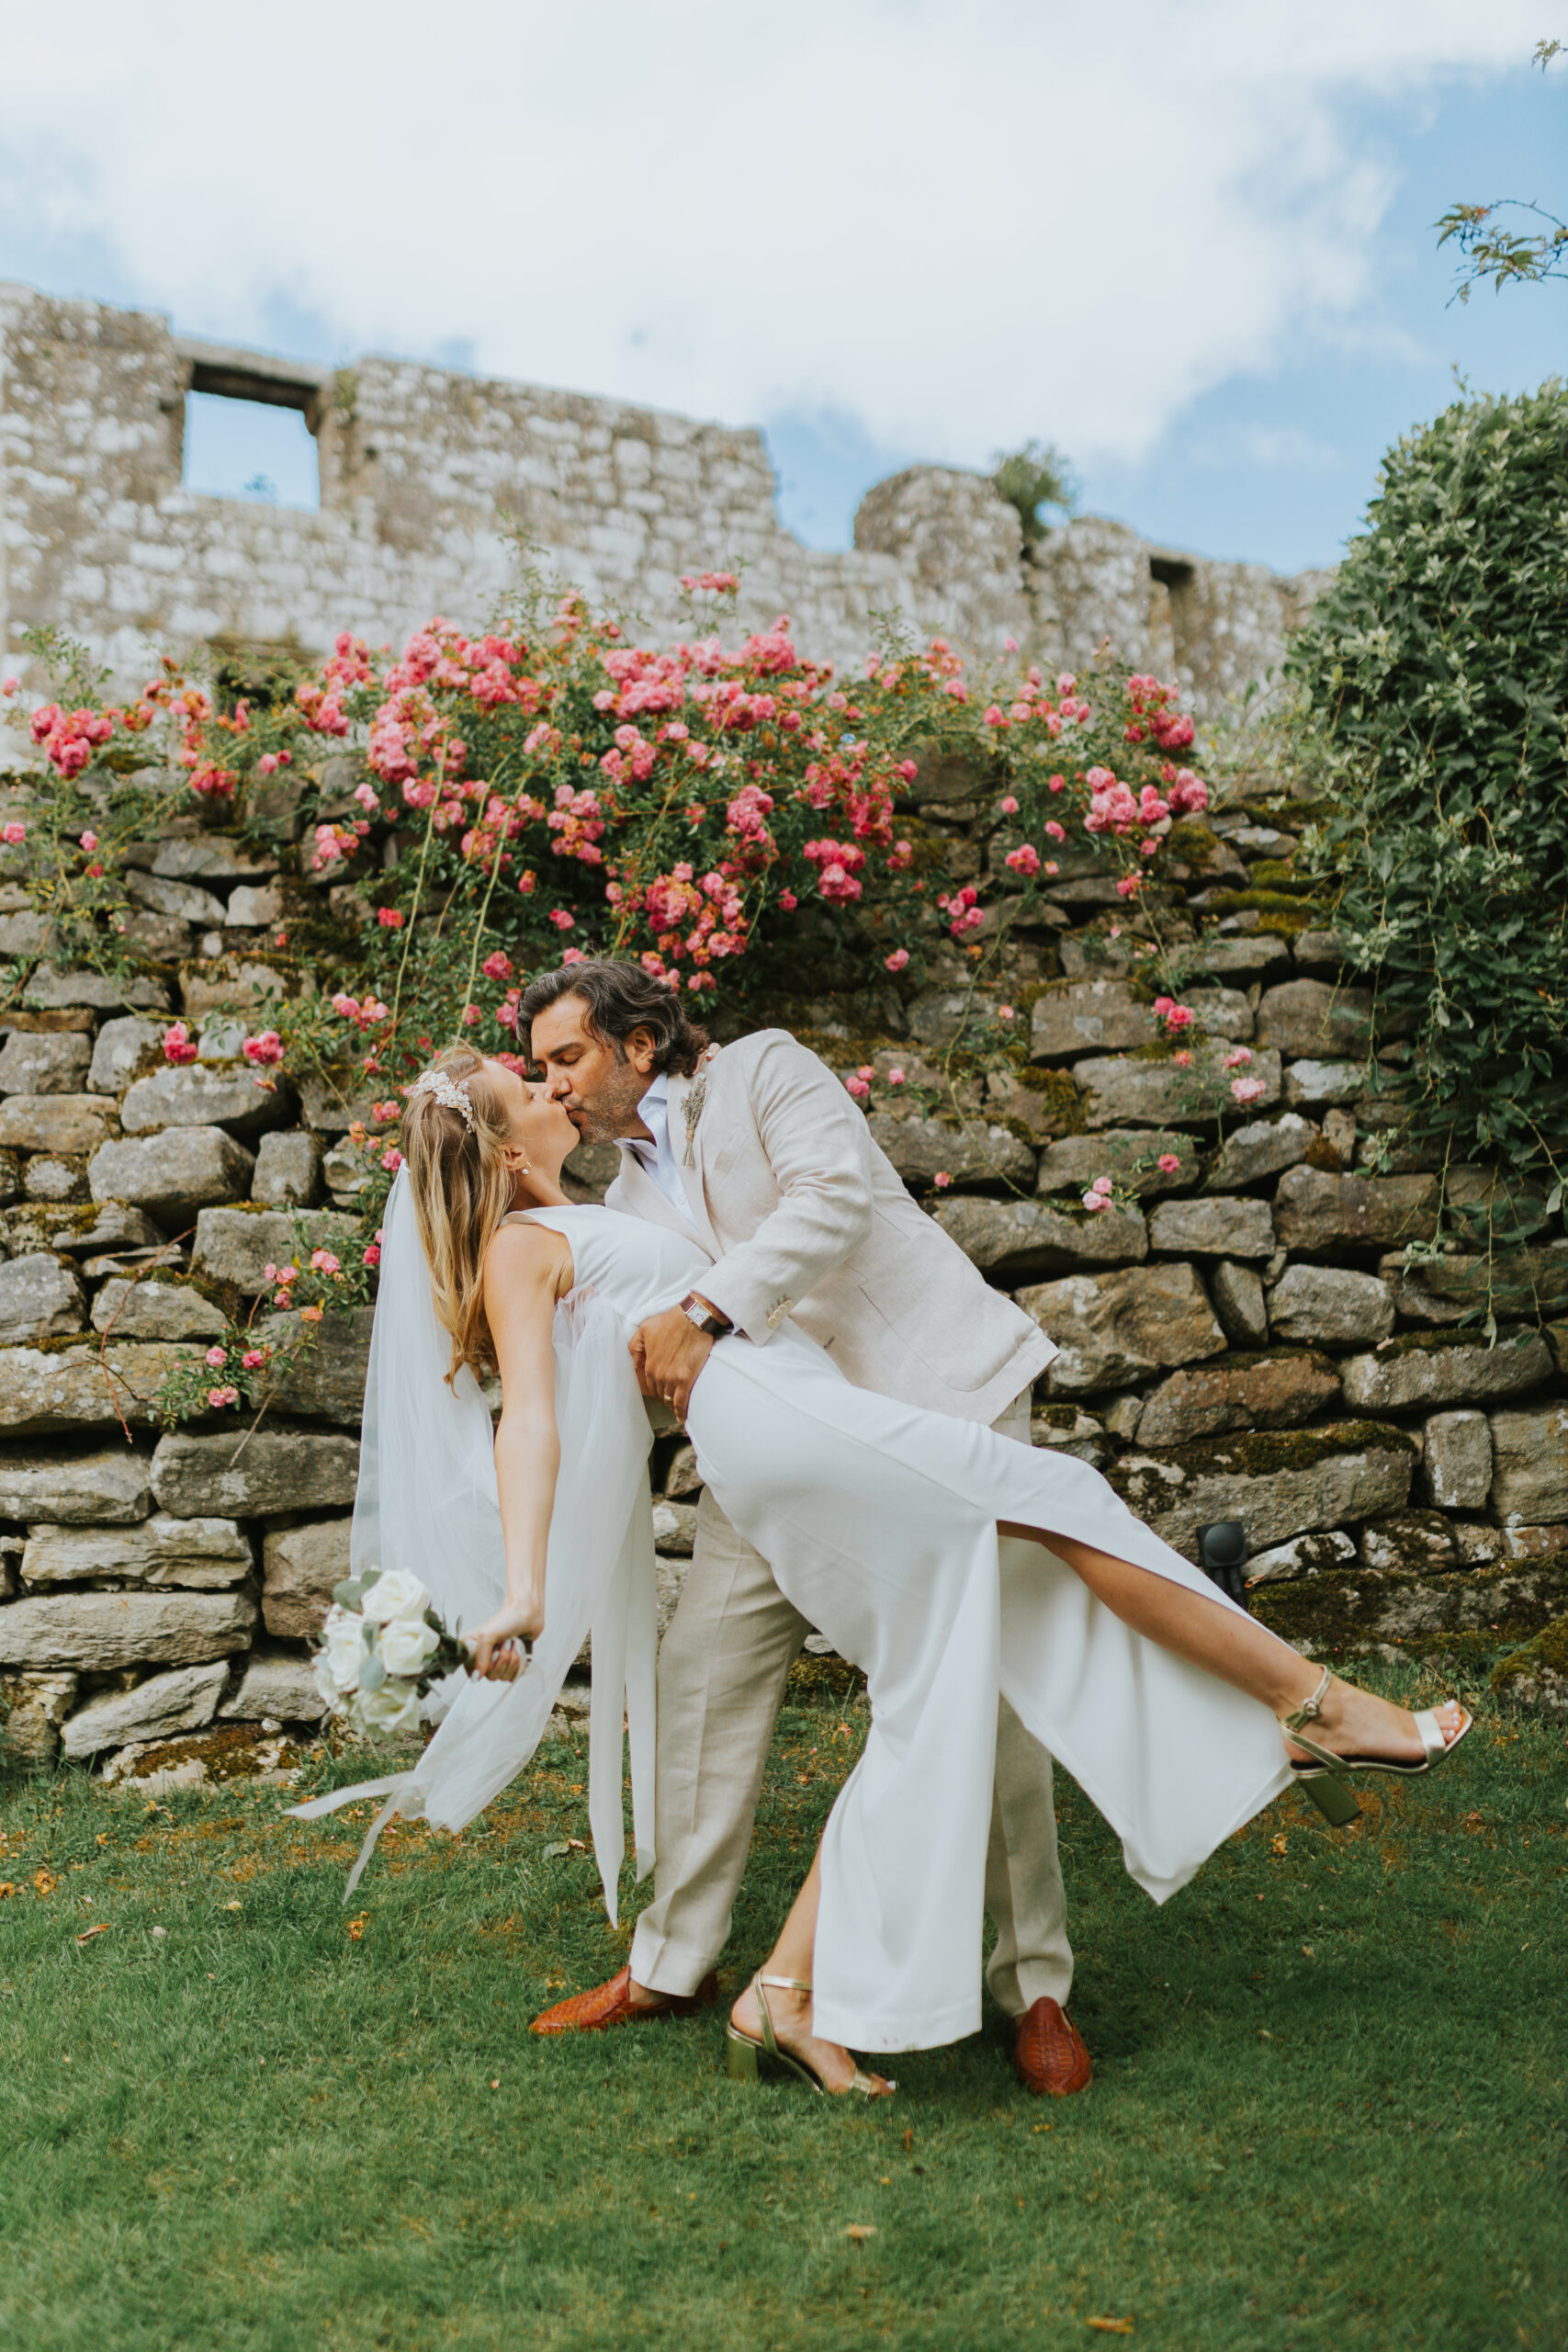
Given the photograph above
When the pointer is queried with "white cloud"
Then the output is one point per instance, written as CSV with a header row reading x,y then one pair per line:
x,y
958,223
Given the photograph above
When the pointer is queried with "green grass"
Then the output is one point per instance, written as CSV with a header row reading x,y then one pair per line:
x,y
1328,2106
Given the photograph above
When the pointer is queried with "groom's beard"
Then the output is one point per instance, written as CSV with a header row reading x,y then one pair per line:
x,y
612,1111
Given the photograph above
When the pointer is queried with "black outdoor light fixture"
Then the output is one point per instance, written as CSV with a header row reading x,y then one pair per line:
x,y
1222,1555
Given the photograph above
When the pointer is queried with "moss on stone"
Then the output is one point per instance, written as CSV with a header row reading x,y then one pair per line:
x,y
1546,1654
830,1680
1261,1453
1275,911
1428,1343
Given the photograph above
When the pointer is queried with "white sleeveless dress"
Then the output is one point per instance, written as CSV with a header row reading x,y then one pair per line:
x,y
879,1523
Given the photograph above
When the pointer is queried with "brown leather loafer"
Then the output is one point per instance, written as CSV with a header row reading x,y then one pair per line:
x,y
611,2004
1049,2052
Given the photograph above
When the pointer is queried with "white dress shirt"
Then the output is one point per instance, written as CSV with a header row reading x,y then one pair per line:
x,y
658,1156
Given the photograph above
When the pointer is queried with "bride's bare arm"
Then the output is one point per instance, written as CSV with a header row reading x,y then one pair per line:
x,y
523,1280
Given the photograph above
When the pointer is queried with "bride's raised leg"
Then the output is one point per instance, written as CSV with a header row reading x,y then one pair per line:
x,y
1235,1647
784,1979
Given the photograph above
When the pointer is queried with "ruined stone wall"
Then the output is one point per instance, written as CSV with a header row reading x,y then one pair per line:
x,y
426,473
1256,1336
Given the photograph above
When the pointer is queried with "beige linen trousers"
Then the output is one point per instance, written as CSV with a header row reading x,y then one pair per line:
x,y
806,1219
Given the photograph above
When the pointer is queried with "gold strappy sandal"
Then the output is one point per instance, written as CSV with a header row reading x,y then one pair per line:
x,y
1322,1777
746,2060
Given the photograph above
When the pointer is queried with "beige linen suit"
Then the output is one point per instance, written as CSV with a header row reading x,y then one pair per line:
x,y
807,1219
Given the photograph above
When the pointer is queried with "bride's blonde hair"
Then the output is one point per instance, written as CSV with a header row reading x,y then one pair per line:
x,y
462,1188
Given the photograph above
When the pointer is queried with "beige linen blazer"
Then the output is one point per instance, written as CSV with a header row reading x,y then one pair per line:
x,y
806,1219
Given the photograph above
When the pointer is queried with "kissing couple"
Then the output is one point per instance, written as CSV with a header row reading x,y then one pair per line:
x,y
858,1400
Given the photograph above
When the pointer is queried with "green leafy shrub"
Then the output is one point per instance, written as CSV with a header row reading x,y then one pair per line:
x,y
1437,668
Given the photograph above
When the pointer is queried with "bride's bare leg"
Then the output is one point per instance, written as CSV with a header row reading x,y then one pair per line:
x,y
1241,1651
790,2012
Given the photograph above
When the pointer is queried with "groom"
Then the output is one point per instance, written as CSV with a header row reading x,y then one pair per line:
x,y
758,1152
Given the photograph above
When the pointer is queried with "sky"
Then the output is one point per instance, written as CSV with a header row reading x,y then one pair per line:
x,y
1189,242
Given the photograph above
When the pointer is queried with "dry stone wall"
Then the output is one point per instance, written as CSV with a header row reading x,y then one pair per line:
x,y
426,475
1258,1330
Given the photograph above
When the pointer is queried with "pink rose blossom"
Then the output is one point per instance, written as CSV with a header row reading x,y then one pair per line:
x,y
1183,1060
89,843
9,687
1248,1090
13,833
373,1255
1006,1012
941,1180
217,1397
254,1359
858,1088
389,918
1009,806
896,1078
392,1158
178,1046
267,1048
1169,1163
216,1357
1239,1058
897,961
1102,1184
323,1262
562,920
1095,1201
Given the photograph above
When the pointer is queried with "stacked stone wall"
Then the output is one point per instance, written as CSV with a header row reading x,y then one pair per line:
x,y
427,478
1261,1330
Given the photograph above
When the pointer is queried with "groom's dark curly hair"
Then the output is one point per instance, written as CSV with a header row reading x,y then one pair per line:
x,y
621,997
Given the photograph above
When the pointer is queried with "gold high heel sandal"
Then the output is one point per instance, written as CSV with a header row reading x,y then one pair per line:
x,y
1321,1778
745,2060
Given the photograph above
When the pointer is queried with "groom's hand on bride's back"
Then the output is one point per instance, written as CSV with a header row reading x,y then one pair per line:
x,y
668,1353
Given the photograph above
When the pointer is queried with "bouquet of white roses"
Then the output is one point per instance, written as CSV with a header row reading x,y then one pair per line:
x,y
383,1649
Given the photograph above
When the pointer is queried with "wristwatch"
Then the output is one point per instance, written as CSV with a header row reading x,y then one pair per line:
x,y
705,1316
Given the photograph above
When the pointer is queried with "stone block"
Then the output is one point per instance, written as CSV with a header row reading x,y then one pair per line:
x,y
44,1392
26,934
325,1379
1113,1329
1309,1018
203,1554
1282,1483
1456,1464
253,910
99,990
332,1102
1514,1284
1262,1148
288,1167
275,1686
98,1632
244,988
197,1096
1212,1228
1319,950
121,1048
1167,1093
111,1489
1410,1543
156,1310
41,1299
1529,1476
1316,1211
1076,1017
300,1568
1314,1086
43,1063
588,1172
1016,1239
181,901
921,1149
1383,1605
1238,1391
1331,1304
183,1699
1130,1154
113,1227
683,1477
676,1528
1533,1542
1238,955
279,1470
1534,1678
210,858
1238,1294
1065,1427
60,1181
161,938
32,1708
236,1245
347,1172
55,1122
1446,1368
1307,1556
173,1175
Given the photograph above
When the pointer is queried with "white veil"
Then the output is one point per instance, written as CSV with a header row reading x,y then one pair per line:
x,y
427,1502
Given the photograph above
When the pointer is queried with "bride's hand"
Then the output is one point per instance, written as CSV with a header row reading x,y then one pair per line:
x,y
498,1645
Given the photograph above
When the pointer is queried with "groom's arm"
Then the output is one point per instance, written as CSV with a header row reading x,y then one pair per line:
x,y
819,1151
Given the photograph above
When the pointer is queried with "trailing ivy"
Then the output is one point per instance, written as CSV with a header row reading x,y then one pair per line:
x,y
1436,669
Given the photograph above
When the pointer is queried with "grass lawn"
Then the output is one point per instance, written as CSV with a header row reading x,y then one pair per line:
x,y
1328,2108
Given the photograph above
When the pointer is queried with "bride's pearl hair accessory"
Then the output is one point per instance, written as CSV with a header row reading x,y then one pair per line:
x,y
448,1092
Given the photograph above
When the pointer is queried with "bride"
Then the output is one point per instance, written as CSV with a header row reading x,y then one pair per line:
x,y
880,1521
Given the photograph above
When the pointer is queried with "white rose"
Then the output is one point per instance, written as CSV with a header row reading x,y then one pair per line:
x,y
405,1646
395,1594
326,1681
344,1653
395,1707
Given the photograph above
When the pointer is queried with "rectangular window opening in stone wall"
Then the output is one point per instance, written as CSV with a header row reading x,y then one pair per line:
x,y
252,437
1175,576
